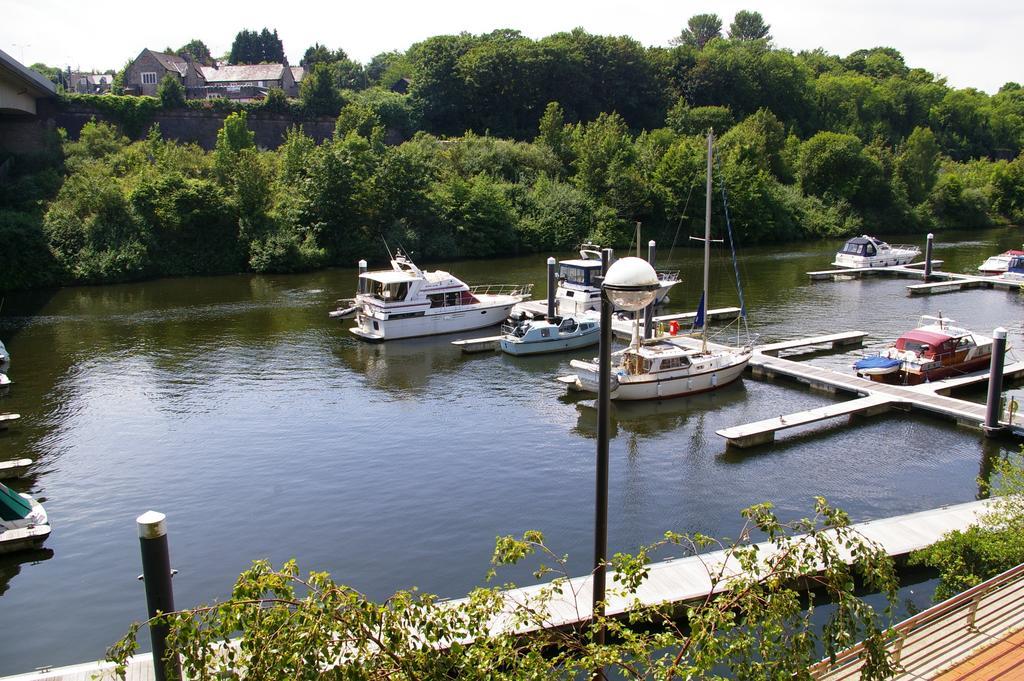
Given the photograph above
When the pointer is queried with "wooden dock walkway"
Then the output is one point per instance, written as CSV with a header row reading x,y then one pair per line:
x,y
944,282
875,398
914,269
674,582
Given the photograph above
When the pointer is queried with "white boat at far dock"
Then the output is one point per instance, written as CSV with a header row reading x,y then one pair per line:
x,y
407,302
867,251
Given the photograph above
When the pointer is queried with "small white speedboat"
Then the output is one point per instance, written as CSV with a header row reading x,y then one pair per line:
x,y
867,251
537,336
5,357
997,264
23,521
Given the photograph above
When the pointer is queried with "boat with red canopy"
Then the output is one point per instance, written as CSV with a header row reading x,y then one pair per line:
x,y
936,349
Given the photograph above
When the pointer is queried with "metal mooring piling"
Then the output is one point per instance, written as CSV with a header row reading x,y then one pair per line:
x,y
156,573
995,382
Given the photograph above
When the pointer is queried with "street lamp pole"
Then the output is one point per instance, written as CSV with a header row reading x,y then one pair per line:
x,y
604,361
630,284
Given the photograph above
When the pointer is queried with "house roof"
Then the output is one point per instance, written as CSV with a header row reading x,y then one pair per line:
x,y
242,72
298,73
171,62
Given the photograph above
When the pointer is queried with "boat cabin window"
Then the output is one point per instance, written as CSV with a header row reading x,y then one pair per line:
x,y
388,293
574,274
870,249
851,248
567,326
673,363
545,333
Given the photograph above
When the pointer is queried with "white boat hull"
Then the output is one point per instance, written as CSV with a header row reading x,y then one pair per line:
x,y
519,347
889,260
478,317
646,387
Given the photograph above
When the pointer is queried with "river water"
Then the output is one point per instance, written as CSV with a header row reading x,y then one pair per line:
x,y
263,429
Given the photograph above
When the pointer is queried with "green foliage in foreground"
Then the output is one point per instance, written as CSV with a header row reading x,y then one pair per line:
x,y
758,626
996,544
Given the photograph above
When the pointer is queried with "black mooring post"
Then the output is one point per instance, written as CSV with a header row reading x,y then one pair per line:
x,y
156,573
606,260
928,257
551,287
649,312
995,382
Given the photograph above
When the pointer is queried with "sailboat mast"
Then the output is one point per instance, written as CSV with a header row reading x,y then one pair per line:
x,y
707,240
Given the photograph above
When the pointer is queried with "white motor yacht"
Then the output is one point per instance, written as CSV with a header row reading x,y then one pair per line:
x,y
577,288
407,302
997,264
867,251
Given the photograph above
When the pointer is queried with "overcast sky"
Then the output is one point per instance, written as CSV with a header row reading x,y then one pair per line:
x,y
972,44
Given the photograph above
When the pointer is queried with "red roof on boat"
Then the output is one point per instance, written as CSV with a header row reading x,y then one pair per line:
x,y
933,338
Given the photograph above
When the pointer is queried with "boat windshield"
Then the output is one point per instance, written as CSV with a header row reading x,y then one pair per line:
x,y
575,274
388,293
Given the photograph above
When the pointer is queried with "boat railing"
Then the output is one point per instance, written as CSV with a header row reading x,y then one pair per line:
x,y
668,275
905,247
502,290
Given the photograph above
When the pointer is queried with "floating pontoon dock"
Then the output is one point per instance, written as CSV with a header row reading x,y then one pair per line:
x,y
14,469
914,269
875,398
945,282
673,582
7,419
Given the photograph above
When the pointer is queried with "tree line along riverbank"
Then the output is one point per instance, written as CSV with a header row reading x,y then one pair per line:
x,y
810,146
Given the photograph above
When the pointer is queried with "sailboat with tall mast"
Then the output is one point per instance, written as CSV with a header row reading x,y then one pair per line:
x,y
671,366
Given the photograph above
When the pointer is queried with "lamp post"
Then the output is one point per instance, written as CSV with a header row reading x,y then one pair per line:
x,y
630,284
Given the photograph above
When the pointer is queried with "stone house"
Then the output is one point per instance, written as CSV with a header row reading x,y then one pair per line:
x,y
149,68
243,82
254,79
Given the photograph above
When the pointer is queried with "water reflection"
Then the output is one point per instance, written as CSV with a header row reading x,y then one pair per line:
x,y
10,565
403,367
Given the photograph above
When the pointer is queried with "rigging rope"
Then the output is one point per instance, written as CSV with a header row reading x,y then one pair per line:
x,y
732,246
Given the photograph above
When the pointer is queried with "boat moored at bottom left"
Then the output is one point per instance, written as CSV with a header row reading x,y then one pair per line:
x,y
23,521
407,302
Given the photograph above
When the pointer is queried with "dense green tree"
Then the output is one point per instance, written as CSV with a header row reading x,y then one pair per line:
x,y
318,94
386,68
749,26
835,165
197,50
171,92
960,123
917,166
700,30
687,120
250,47
233,137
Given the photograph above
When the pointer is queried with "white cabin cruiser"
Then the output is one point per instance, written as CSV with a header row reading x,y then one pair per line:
x,y
867,251
577,291
407,302
23,521
537,336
